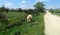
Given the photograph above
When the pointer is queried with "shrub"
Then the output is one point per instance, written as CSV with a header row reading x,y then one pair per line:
x,y
17,33
9,26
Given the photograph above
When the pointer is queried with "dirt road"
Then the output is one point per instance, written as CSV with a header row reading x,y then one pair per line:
x,y
52,24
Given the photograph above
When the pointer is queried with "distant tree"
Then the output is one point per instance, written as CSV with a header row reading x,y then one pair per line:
x,y
19,9
12,10
50,10
31,11
26,11
39,6
7,10
2,9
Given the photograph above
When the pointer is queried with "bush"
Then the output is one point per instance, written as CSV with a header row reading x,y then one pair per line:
x,y
3,18
9,26
17,33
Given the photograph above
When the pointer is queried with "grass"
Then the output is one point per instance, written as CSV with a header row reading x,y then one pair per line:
x,y
55,12
32,28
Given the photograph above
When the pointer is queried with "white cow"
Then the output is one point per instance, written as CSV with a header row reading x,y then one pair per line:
x,y
29,18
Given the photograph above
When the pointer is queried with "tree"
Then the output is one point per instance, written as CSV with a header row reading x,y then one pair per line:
x,y
39,6
6,10
19,9
30,11
2,9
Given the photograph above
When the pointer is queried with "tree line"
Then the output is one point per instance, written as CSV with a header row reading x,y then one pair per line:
x,y
39,7
55,10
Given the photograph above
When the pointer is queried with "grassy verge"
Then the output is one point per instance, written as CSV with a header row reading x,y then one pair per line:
x,y
32,28
55,12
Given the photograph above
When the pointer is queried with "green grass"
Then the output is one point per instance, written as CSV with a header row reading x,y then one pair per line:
x,y
58,14
55,12
31,28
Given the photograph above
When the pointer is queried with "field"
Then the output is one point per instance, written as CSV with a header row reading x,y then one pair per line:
x,y
19,26
55,11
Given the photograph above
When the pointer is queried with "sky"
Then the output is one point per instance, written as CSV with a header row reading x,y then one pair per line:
x,y
26,4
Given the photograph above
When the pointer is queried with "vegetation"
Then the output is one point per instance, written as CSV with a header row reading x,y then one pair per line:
x,y
55,11
17,23
13,21
39,7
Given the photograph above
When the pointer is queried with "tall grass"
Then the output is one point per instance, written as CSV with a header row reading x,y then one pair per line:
x,y
35,27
